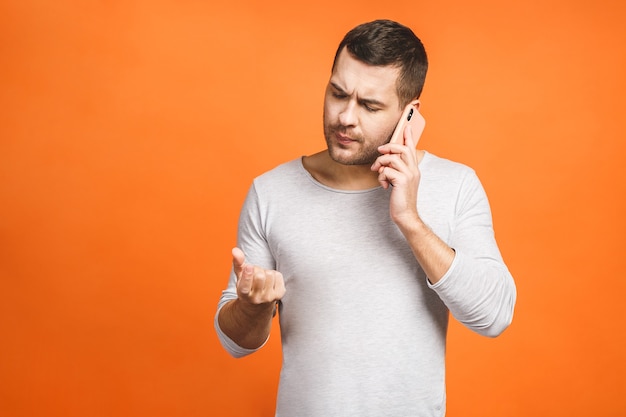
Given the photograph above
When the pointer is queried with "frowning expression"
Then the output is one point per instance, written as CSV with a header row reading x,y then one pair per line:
x,y
361,109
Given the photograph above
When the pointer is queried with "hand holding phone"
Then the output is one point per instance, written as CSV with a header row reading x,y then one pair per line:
x,y
417,124
409,115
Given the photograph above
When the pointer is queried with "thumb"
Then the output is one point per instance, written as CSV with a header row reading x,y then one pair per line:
x,y
408,137
239,259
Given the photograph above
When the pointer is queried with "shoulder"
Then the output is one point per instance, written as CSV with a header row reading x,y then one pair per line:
x,y
281,172
287,176
449,185
434,163
441,170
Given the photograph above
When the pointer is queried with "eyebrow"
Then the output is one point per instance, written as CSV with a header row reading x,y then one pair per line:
x,y
369,101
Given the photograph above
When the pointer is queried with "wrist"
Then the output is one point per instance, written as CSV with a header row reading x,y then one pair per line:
x,y
254,311
410,223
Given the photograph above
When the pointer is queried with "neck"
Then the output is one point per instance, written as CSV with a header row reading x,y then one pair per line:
x,y
342,177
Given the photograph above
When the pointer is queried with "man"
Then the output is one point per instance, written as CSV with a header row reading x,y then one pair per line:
x,y
365,247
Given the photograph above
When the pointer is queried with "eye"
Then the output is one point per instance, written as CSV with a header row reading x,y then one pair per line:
x,y
370,109
339,95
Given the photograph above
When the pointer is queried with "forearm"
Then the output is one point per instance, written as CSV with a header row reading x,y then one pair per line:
x,y
459,255
433,254
247,325
480,293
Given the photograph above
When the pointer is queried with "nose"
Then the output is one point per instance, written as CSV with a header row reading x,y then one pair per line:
x,y
348,115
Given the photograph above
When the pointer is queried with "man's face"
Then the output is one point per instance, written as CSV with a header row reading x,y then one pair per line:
x,y
361,110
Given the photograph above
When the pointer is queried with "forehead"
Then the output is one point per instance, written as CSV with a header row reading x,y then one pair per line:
x,y
365,81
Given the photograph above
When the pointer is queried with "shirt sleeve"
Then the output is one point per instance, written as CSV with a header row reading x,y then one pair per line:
x,y
250,239
229,345
478,288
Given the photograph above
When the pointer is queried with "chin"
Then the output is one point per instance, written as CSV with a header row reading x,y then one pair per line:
x,y
344,157
356,154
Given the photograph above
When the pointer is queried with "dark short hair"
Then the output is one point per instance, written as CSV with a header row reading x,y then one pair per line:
x,y
385,42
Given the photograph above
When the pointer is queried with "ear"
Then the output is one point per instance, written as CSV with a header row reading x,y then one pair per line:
x,y
416,103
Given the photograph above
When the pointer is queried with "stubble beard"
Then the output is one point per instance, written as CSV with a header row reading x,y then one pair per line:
x,y
365,154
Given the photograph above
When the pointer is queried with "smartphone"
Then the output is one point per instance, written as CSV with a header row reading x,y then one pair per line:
x,y
410,114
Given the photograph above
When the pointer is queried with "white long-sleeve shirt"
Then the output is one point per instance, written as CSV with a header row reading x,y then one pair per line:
x,y
363,331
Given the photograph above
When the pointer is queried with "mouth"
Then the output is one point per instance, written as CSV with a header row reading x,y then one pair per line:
x,y
344,139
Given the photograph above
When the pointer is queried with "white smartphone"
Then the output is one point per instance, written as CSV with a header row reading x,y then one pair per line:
x,y
410,114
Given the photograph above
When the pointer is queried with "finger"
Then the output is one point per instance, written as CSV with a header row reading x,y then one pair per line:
x,y
262,286
395,161
266,282
274,285
239,259
376,165
408,137
385,158
411,144
279,286
390,149
246,280
382,178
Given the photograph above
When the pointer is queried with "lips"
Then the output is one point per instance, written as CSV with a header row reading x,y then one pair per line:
x,y
344,139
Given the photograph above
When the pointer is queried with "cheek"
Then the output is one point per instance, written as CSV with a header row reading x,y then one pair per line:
x,y
379,130
330,112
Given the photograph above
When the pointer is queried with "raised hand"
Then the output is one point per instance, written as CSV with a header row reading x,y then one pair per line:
x,y
398,166
255,285
247,320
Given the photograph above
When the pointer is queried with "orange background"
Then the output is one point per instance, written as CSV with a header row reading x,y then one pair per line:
x,y
130,132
